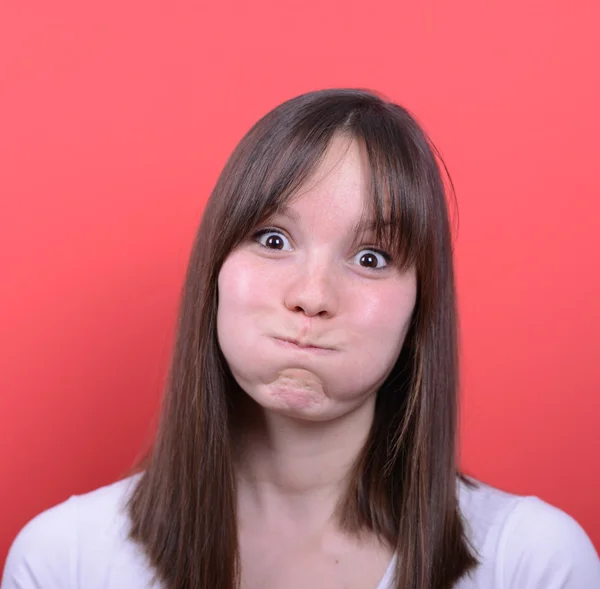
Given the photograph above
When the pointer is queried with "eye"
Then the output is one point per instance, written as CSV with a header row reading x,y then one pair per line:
x,y
272,239
372,259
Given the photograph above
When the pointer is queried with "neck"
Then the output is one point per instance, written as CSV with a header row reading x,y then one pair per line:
x,y
295,469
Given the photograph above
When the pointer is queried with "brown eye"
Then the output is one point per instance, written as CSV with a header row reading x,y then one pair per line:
x,y
274,242
368,260
372,259
272,239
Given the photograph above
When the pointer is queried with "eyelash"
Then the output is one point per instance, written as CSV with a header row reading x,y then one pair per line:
x,y
376,250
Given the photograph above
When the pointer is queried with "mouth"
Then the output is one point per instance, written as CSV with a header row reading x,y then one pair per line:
x,y
305,346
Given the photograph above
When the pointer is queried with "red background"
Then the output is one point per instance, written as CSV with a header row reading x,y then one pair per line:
x,y
116,118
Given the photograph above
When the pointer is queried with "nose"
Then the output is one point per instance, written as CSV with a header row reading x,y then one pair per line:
x,y
312,289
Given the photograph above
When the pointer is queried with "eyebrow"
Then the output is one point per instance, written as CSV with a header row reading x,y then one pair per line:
x,y
360,227
366,225
288,212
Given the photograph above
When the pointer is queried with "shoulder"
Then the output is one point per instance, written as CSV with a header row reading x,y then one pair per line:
x,y
526,543
72,538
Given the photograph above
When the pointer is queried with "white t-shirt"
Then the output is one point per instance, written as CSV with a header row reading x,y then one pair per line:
x,y
522,543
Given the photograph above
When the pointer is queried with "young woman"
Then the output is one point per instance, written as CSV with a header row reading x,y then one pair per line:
x,y
308,431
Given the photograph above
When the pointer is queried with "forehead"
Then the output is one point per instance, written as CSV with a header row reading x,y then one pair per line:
x,y
339,185
344,165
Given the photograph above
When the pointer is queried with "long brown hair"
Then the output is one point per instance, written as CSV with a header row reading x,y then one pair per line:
x,y
404,483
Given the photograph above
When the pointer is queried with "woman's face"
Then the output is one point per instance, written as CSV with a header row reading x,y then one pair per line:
x,y
310,324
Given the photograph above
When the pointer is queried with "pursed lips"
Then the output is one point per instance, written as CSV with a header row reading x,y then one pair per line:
x,y
304,345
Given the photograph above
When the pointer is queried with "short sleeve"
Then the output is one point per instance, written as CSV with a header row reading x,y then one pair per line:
x,y
542,547
41,555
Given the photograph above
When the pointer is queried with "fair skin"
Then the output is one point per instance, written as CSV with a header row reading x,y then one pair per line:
x,y
311,325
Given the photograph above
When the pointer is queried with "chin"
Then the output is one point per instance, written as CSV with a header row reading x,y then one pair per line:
x,y
307,406
292,403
